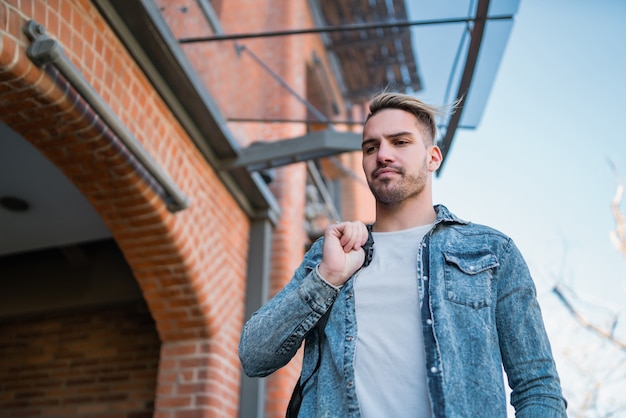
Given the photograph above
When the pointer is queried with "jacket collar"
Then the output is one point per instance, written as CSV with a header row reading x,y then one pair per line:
x,y
444,215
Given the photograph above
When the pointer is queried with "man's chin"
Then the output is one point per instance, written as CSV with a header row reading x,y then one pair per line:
x,y
386,197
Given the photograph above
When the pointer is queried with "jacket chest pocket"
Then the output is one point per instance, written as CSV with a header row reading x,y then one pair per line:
x,y
468,278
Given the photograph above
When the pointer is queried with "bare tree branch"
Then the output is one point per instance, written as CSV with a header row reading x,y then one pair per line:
x,y
585,322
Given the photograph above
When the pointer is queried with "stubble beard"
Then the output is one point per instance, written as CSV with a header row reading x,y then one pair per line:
x,y
408,186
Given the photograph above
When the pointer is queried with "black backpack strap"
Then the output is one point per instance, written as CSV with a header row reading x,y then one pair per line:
x,y
296,397
368,247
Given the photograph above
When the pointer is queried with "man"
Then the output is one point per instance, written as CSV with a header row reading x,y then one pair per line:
x,y
427,327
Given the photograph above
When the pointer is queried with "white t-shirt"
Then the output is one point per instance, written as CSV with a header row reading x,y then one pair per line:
x,y
389,367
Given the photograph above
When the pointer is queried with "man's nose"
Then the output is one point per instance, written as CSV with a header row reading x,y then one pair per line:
x,y
384,154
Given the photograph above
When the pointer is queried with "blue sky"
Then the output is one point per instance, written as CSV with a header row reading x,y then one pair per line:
x,y
537,165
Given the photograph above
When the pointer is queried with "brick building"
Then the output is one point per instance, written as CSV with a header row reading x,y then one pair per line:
x,y
145,207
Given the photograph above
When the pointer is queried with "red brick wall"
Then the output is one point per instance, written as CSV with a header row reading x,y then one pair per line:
x,y
100,363
191,266
245,89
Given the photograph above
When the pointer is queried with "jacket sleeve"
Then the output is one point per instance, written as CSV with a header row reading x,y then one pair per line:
x,y
524,344
272,336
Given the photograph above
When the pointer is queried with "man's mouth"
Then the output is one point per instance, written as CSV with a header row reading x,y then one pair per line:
x,y
384,172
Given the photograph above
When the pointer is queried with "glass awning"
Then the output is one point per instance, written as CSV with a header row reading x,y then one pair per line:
x,y
437,50
441,51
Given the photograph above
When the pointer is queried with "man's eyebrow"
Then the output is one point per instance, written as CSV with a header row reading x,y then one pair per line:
x,y
397,134
389,136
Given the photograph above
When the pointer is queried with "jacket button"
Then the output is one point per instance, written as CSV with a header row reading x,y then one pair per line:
x,y
429,321
433,369
350,338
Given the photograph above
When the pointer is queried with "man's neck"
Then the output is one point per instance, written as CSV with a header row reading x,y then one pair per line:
x,y
408,214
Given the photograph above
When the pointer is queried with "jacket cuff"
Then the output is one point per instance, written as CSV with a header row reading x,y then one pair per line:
x,y
317,292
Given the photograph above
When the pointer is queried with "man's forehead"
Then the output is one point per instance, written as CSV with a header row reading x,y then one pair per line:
x,y
391,122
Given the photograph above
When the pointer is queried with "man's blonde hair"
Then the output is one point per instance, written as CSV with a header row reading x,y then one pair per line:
x,y
423,112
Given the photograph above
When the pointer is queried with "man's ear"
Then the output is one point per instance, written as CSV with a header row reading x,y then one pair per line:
x,y
435,158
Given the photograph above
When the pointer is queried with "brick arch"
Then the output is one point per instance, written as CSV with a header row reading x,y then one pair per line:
x,y
191,265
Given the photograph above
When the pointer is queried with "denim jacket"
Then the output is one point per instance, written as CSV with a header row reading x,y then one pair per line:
x,y
479,314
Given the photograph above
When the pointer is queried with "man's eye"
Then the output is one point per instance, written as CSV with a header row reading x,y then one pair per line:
x,y
369,150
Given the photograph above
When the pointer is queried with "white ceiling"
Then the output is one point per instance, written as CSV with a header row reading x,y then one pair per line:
x,y
58,213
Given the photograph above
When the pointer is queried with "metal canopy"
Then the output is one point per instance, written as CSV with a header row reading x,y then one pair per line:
x,y
265,155
460,60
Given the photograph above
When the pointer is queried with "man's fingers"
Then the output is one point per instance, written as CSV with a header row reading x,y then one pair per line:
x,y
353,235
341,255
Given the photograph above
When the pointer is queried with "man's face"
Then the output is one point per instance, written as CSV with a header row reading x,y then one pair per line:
x,y
397,159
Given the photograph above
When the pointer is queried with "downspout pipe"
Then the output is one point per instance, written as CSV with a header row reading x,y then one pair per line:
x,y
47,51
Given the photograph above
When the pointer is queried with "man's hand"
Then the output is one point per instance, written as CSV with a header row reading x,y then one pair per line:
x,y
342,253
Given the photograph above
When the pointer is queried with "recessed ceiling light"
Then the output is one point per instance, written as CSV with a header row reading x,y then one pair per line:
x,y
14,204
